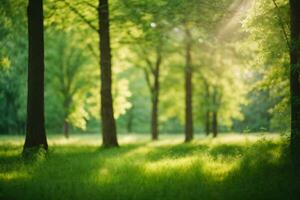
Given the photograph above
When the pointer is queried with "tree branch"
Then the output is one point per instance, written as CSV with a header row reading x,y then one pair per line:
x,y
149,63
82,17
281,22
90,5
147,77
94,53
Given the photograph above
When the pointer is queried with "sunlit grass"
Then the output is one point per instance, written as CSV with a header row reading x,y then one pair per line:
x,y
232,166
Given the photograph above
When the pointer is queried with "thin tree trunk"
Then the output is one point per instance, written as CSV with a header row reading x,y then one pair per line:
x,y
188,90
109,133
35,130
66,129
155,98
295,80
207,123
215,114
66,103
154,119
215,123
207,114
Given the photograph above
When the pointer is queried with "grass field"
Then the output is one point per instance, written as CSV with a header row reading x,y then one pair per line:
x,y
229,167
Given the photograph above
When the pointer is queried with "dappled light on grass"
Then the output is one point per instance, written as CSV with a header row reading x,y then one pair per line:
x,y
203,169
14,176
163,165
219,167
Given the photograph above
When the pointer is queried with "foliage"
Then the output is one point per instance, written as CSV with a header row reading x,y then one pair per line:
x,y
266,26
13,63
67,85
243,64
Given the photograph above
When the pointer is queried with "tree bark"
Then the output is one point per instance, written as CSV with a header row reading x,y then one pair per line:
x,y
207,123
295,80
109,133
67,102
207,114
215,123
188,90
35,130
155,98
215,113
154,118
66,129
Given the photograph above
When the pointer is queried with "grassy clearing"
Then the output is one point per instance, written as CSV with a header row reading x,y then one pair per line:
x,y
229,167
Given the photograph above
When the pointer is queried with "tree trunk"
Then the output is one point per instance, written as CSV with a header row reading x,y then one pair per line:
x,y
155,98
215,123
109,133
66,129
66,103
35,130
207,123
207,114
215,114
188,90
295,80
154,119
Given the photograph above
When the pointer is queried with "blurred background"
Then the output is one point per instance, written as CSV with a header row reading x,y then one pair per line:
x,y
237,54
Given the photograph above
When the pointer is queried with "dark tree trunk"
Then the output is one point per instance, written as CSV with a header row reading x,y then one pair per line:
x,y
35,129
215,114
188,90
295,80
215,123
154,118
207,114
109,133
207,123
67,103
155,98
66,129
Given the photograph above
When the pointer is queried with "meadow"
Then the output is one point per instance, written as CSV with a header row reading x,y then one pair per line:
x,y
150,67
232,166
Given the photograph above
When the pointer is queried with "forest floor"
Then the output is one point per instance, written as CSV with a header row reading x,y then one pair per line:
x,y
233,166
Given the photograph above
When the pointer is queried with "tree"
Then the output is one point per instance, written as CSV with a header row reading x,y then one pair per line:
x,y
68,90
280,55
152,74
35,131
216,101
207,109
109,132
152,70
295,79
149,47
189,23
266,28
107,113
188,87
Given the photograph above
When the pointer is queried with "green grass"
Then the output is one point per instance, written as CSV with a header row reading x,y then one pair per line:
x,y
229,167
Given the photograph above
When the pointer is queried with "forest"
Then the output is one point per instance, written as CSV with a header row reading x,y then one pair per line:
x,y
150,99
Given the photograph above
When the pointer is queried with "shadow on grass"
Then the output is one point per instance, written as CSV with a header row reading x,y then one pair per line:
x,y
262,171
229,150
175,151
184,150
265,172
10,158
9,163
